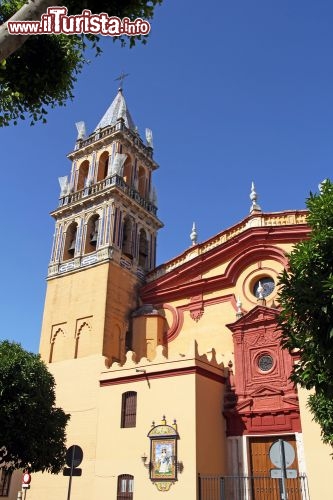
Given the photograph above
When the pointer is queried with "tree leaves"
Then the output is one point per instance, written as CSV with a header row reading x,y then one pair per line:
x,y
29,87
321,407
32,429
42,73
306,320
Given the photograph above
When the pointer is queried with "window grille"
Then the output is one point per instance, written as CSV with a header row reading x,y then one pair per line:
x,y
128,409
125,487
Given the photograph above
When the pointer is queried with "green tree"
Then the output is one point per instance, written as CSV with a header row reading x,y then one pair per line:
x,y
39,72
32,429
306,298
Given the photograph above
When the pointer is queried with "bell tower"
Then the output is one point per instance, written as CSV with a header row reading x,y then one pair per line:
x,y
104,240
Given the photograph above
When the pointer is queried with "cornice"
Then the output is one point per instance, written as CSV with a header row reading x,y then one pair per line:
x,y
124,136
113,194
253,244
173,372
269,220
259,316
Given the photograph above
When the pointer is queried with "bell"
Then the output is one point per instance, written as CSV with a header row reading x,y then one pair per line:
x,y
93,238
72,246
94,233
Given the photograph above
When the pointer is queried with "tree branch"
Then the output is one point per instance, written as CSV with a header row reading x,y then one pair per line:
x,y
32,10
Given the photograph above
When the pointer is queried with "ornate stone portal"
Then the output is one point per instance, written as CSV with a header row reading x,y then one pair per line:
x,y
260,398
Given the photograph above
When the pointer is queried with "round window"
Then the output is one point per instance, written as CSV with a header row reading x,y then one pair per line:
x,y
263,287
265,362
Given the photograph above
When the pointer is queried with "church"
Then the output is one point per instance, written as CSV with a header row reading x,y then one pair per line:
x,y
173,375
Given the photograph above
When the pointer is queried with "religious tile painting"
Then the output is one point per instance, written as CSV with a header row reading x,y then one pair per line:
x,y
163,459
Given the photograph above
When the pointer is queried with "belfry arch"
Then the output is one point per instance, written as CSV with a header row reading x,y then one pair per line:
x,y
92,234
128,171
103,165
82,175
70,241
127,242
143,249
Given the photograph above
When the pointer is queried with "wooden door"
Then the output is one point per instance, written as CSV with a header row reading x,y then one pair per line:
x,y
263,487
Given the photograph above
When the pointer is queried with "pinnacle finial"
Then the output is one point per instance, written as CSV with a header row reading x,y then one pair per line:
x,y
194,235
253,197
260,291
261,299
81,130
239,312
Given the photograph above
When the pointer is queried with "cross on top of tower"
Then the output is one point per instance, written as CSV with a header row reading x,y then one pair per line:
x,y
121,78
117,109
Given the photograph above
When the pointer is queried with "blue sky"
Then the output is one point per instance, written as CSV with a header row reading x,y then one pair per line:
x,y
240,91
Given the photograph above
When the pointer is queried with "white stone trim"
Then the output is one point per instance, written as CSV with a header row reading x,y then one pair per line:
x,y
300,452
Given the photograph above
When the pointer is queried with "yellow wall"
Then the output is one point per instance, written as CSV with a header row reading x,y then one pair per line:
x,y
110,450
119,302
71,301
210,427
77,394
318,456
120,450
148,334
86,312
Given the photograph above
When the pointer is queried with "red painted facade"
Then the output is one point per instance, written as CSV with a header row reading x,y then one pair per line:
x,y
250,246
260,398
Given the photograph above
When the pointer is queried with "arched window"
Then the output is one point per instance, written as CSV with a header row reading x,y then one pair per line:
x,y
128,171
143,249
128,409
103,165
70,241
142,182
125,487
127,244
83,175
92,234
